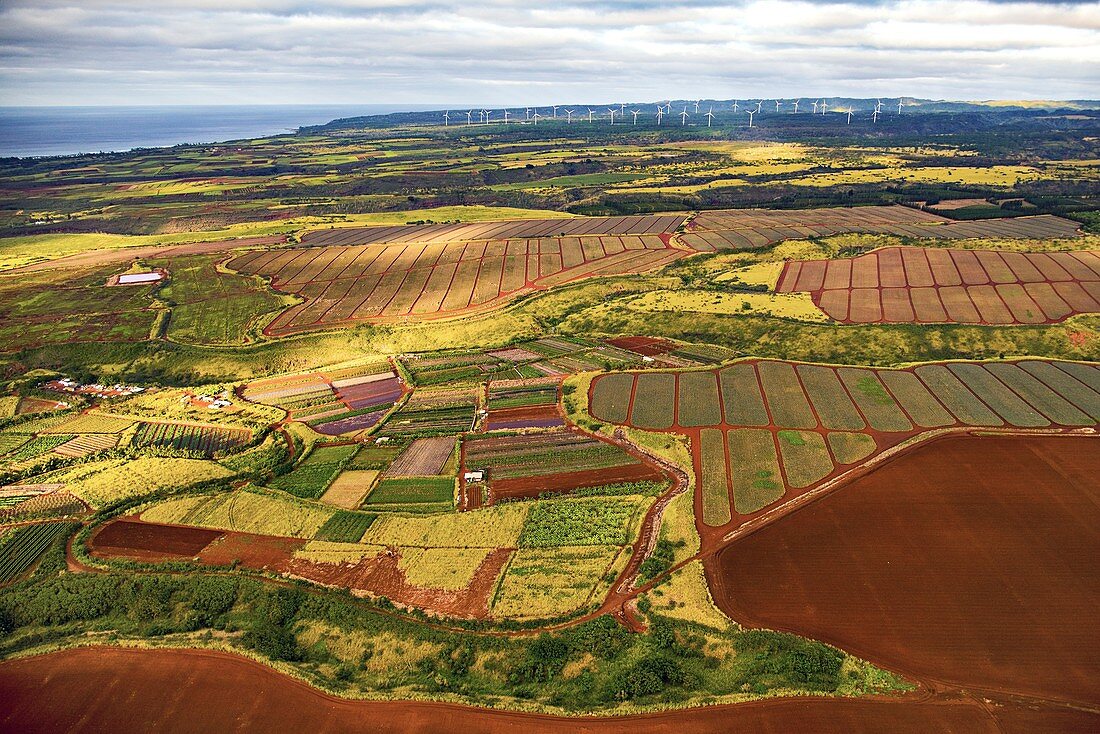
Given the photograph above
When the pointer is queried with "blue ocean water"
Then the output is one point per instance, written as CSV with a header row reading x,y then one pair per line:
x,y
37,131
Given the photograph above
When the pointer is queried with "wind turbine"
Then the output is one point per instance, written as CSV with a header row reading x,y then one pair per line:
x,y
622,109
735,105
874,116
487,113
710,116
555,112
815,106
759,105
660,113
796,105
751,113
590,111
446,118
527,114
696,107
899,106
481,116
668,108
824,107
536,116
878,105
684,117
849,116
470,117
569,117
611,111
777,106
506,113
635,113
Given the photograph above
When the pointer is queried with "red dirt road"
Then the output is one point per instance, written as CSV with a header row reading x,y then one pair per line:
x,y
122,691
967,562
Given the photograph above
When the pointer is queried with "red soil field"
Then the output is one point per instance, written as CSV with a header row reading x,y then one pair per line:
x,y
126,691
531,416
435,278
567,481
912,284
749,228
966,562
137,539
645,345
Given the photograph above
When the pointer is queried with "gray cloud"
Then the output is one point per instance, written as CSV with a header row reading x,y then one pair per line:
x,y
514,52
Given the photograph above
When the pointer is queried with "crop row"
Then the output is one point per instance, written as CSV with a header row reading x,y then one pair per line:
x,y
205,439
25,545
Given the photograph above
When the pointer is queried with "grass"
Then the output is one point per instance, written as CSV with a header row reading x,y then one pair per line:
x,y
685,596
345,527
412,490
611,397
316,472
654,401
101,483
849,448
547,582
492,527
441,568
796,306
805,458
245,512
562,522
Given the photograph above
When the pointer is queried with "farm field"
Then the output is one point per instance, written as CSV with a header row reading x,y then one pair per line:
x,y
440,277
1013,601
763,431
920,285
751,228
553,461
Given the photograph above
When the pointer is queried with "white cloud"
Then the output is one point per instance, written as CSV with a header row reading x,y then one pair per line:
x,y
514,52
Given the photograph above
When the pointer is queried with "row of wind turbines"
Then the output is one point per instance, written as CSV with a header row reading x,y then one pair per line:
x,y
531,114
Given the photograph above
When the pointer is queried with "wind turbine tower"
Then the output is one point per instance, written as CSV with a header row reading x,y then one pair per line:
x,y
751,113
506,113
555,112
735,105
684,117
710,116
611,111
815,106
849,116
569,117
777,106
824,106
446,118
796,105
696,107
759,105
635,113
874,116
470,117
590,112
536,116
660,113
899,106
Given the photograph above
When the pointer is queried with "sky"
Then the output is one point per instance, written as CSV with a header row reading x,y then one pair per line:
x,y
513,52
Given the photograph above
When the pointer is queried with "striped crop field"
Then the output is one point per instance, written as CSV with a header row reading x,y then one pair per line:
x,y
765,430
349,275
935,286
741,229
204,439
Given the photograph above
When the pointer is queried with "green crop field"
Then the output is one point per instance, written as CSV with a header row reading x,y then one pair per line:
x,y
23,546
414,490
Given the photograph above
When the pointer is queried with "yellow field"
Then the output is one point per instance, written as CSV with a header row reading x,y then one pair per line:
x,y
241,511
686,596
172,404
327,551
801,307
441,568
492,527
101,482
546,582
349,488
92,423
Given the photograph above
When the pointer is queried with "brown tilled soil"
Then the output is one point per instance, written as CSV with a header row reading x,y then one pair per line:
x,y
136,539
567,481
125,691
967,562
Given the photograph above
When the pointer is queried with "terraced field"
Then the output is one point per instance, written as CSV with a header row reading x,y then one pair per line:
x,y
740,229
380,273
764,430
922,285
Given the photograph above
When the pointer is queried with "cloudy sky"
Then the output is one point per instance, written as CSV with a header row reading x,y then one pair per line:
x,y
510,52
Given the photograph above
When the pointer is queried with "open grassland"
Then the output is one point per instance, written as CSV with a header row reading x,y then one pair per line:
x,y
441,568
493,527
787,427
102,482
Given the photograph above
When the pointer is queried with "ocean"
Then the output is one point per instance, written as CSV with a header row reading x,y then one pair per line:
x,y
39,131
